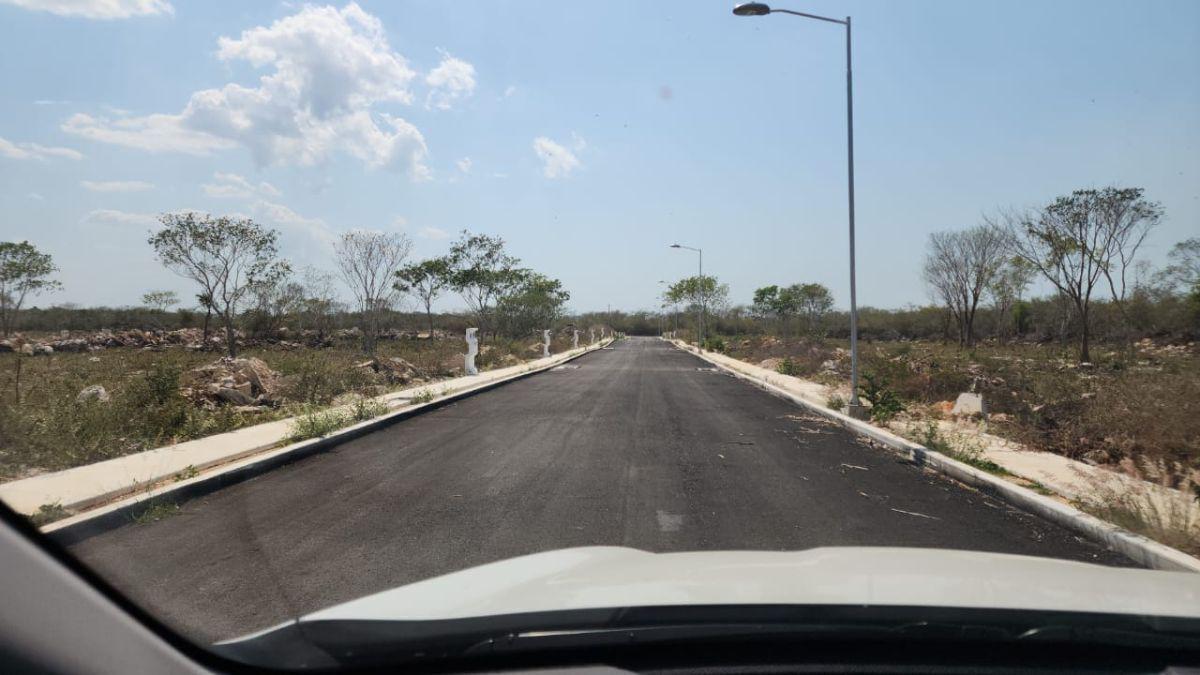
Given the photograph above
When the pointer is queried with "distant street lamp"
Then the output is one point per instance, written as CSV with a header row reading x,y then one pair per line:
x,y
856,408
700,286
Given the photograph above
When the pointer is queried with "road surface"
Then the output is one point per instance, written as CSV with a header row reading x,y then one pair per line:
x,y
640,445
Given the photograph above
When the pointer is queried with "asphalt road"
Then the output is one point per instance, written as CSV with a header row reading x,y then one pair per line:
x,y
641,445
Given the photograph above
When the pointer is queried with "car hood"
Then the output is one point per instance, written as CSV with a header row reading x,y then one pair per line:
x,y
607,576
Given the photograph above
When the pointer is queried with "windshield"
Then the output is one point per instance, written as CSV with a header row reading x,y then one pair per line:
x,y
855,303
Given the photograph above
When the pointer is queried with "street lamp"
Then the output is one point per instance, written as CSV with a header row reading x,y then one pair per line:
x,y
856,408
700,309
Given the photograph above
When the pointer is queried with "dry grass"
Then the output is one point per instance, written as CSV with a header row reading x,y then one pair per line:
x,y
1136,407
44,428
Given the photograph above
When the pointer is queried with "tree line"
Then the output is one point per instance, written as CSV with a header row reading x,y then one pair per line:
x,y
243,282
1084,245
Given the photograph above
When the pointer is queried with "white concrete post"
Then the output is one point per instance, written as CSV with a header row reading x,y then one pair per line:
x,y
472,350
575,340
545,343
591,335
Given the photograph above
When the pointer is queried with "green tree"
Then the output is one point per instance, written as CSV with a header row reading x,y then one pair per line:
x,y
1082,240
160,301
537,303
700,293
425,281
226,257
24,271
483,272
811,301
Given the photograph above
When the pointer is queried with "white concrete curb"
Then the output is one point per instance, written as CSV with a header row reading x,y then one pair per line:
x,y
245,465
1138,548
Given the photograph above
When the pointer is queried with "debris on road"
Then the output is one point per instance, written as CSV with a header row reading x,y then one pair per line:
x,y
914,513
855,466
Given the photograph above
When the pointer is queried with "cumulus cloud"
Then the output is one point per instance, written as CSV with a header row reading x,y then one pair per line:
x,y
117,185
433,233
464,164
34,151
557,160
233,186
97,9
452,80
115,217
327,69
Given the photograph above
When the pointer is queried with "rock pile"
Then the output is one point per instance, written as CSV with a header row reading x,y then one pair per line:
x,y
226,381
392,370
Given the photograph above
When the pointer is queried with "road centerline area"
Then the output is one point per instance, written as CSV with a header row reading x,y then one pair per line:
x,y
638,446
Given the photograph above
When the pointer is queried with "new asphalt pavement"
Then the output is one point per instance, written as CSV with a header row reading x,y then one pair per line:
x,y
640,445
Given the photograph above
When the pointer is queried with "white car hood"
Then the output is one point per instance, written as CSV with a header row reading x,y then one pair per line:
x,y
609,576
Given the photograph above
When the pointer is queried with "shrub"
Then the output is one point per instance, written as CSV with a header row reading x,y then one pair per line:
x,y
788,367
318,423
836,402
885,403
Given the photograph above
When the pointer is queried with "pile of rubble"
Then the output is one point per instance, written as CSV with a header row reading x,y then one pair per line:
x,y
189,338
232,381
392,371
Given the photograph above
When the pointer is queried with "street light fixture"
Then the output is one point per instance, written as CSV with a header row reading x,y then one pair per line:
x,y
700,309
856,408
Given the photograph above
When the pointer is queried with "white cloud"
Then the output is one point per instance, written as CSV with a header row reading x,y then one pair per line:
x,y
284,216
233,186
509,91
452,80
557,161
117,185
97,9
34,151
433,233
464,164
153,133
114,217
327,69
399,222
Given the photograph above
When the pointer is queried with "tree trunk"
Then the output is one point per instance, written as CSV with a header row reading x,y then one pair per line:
x,y
207,320
1085,353
230,336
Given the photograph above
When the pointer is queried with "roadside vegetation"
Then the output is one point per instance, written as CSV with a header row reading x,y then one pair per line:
x,y
82,385
1103,367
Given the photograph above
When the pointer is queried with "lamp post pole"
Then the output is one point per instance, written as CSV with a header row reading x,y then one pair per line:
x,y
703,297
856,408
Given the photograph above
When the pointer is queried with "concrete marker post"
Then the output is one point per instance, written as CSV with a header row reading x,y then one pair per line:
x,y
472,351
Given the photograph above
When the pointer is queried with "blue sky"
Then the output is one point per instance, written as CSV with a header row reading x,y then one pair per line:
x,y
589,136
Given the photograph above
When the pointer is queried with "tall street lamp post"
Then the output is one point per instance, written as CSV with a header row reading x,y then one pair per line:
x,y
856,408
700,309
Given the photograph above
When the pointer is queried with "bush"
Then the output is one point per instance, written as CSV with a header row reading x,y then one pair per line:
x,y
835,402
715,344
885,403
788,367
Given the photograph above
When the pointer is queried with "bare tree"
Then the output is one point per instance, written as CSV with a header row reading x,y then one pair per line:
x,y
1006,289
368,262
959,266
227,257
1082,240
319,302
